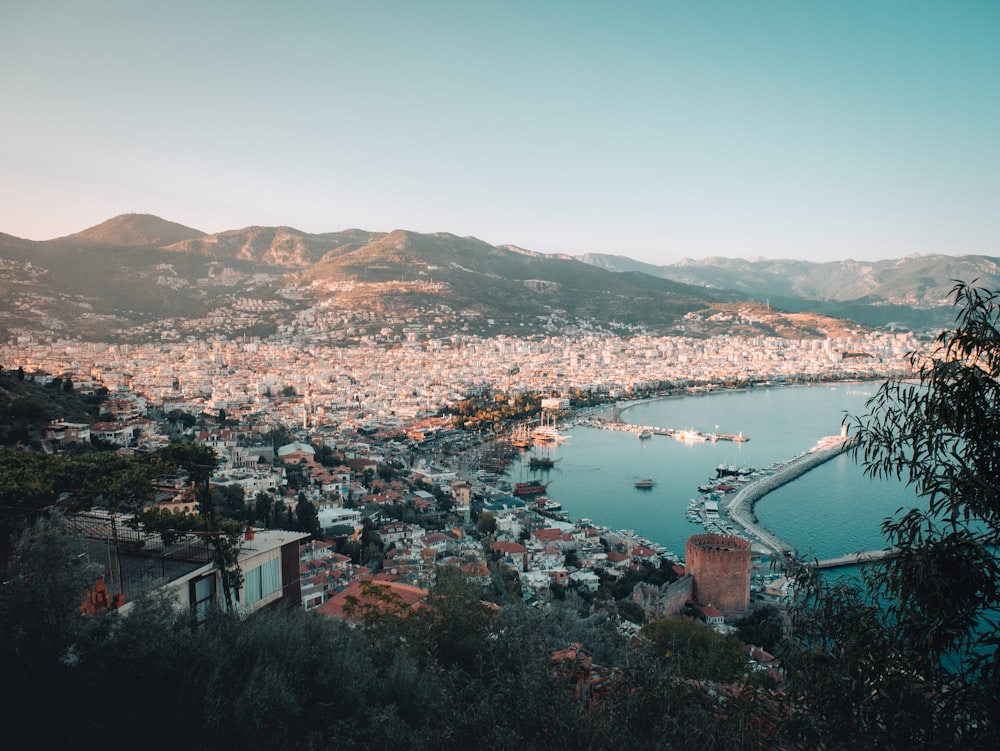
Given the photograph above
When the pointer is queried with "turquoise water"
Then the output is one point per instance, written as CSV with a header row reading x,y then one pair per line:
x,y
830,511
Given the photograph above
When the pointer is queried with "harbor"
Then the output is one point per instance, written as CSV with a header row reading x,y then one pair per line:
x,y
740,509
830,511
647,431
728,505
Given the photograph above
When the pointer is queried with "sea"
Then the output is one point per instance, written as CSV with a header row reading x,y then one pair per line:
x,y
830,511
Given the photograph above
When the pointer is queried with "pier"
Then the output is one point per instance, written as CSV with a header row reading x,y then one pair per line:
x,y
854,559
681,434
740,508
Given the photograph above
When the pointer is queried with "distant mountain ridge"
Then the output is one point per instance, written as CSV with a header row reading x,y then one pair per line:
x,y
137,276
914,290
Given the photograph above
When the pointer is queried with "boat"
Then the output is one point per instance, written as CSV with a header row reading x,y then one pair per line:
x,y
520,438
529,488
544,503
690,435
645,483
645,435
547,431
541,462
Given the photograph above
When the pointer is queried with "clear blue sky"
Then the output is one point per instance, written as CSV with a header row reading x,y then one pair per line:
x,y
658,130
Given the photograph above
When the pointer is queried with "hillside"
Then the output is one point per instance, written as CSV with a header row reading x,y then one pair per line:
x,y
137,277
914,290
135,230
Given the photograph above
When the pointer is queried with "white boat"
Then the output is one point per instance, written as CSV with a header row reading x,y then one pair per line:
x,y
546,431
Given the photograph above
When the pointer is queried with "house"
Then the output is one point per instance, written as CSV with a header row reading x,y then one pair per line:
x,y
366,593
439,542
112,432
585,580
776,590
617,563
316,550
359,465
548,536
62,432
462,492
513,554
295,451
711,615
646,556
400,532
268,564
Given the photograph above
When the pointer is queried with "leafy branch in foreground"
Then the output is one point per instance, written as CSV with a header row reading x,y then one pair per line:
x,y
906,656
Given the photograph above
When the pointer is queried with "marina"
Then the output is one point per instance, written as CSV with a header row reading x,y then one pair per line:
x,y
828,511
645,432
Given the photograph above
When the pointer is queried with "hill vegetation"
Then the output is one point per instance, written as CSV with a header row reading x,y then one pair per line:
x,y
27,407
135,276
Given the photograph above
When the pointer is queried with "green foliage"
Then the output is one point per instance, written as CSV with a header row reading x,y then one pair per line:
x,y
26,408
906,656
694,649
307,518
487,409
486,523
455,674
764,627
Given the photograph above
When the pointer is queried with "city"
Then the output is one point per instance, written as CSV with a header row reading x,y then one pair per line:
x,y
378,416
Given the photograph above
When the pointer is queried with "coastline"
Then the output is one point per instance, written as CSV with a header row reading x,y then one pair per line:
x,y
740,508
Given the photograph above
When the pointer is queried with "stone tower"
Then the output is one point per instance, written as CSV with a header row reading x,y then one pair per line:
x,y
720,566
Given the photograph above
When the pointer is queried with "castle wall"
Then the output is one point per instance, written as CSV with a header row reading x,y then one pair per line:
x,y
665,601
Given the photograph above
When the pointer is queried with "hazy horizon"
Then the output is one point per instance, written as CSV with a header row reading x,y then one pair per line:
x,y
659,131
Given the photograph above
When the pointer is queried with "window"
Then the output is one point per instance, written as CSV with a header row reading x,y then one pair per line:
x,y
202,596
260,582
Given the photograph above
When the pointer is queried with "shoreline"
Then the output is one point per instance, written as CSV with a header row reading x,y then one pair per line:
x,y
740,508
613,411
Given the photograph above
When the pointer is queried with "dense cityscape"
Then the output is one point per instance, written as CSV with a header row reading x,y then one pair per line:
x,y
391,383
383,421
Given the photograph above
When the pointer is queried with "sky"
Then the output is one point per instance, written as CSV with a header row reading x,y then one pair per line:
x,y
660,130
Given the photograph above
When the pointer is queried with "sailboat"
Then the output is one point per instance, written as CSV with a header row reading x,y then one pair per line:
x,y
521,438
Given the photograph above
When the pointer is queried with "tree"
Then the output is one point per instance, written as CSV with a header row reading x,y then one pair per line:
x,y
39,606
486,524
907,656
452,622
694,649
262,509
307,517
230,501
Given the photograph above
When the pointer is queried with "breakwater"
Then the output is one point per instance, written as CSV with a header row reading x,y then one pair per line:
x,y
740,508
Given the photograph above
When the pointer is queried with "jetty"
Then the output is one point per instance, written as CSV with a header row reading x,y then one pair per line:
x,y
681,434
740,508
853,559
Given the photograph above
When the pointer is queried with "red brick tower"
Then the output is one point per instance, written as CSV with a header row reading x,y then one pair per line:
x,y
720,567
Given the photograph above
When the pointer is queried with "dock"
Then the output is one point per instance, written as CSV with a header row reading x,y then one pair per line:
x,y
853,559
740,509
681,434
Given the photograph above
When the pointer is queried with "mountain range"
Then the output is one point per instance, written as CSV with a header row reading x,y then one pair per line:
x,y
139,277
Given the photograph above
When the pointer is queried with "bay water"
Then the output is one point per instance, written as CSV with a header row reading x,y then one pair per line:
x,y
832,510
